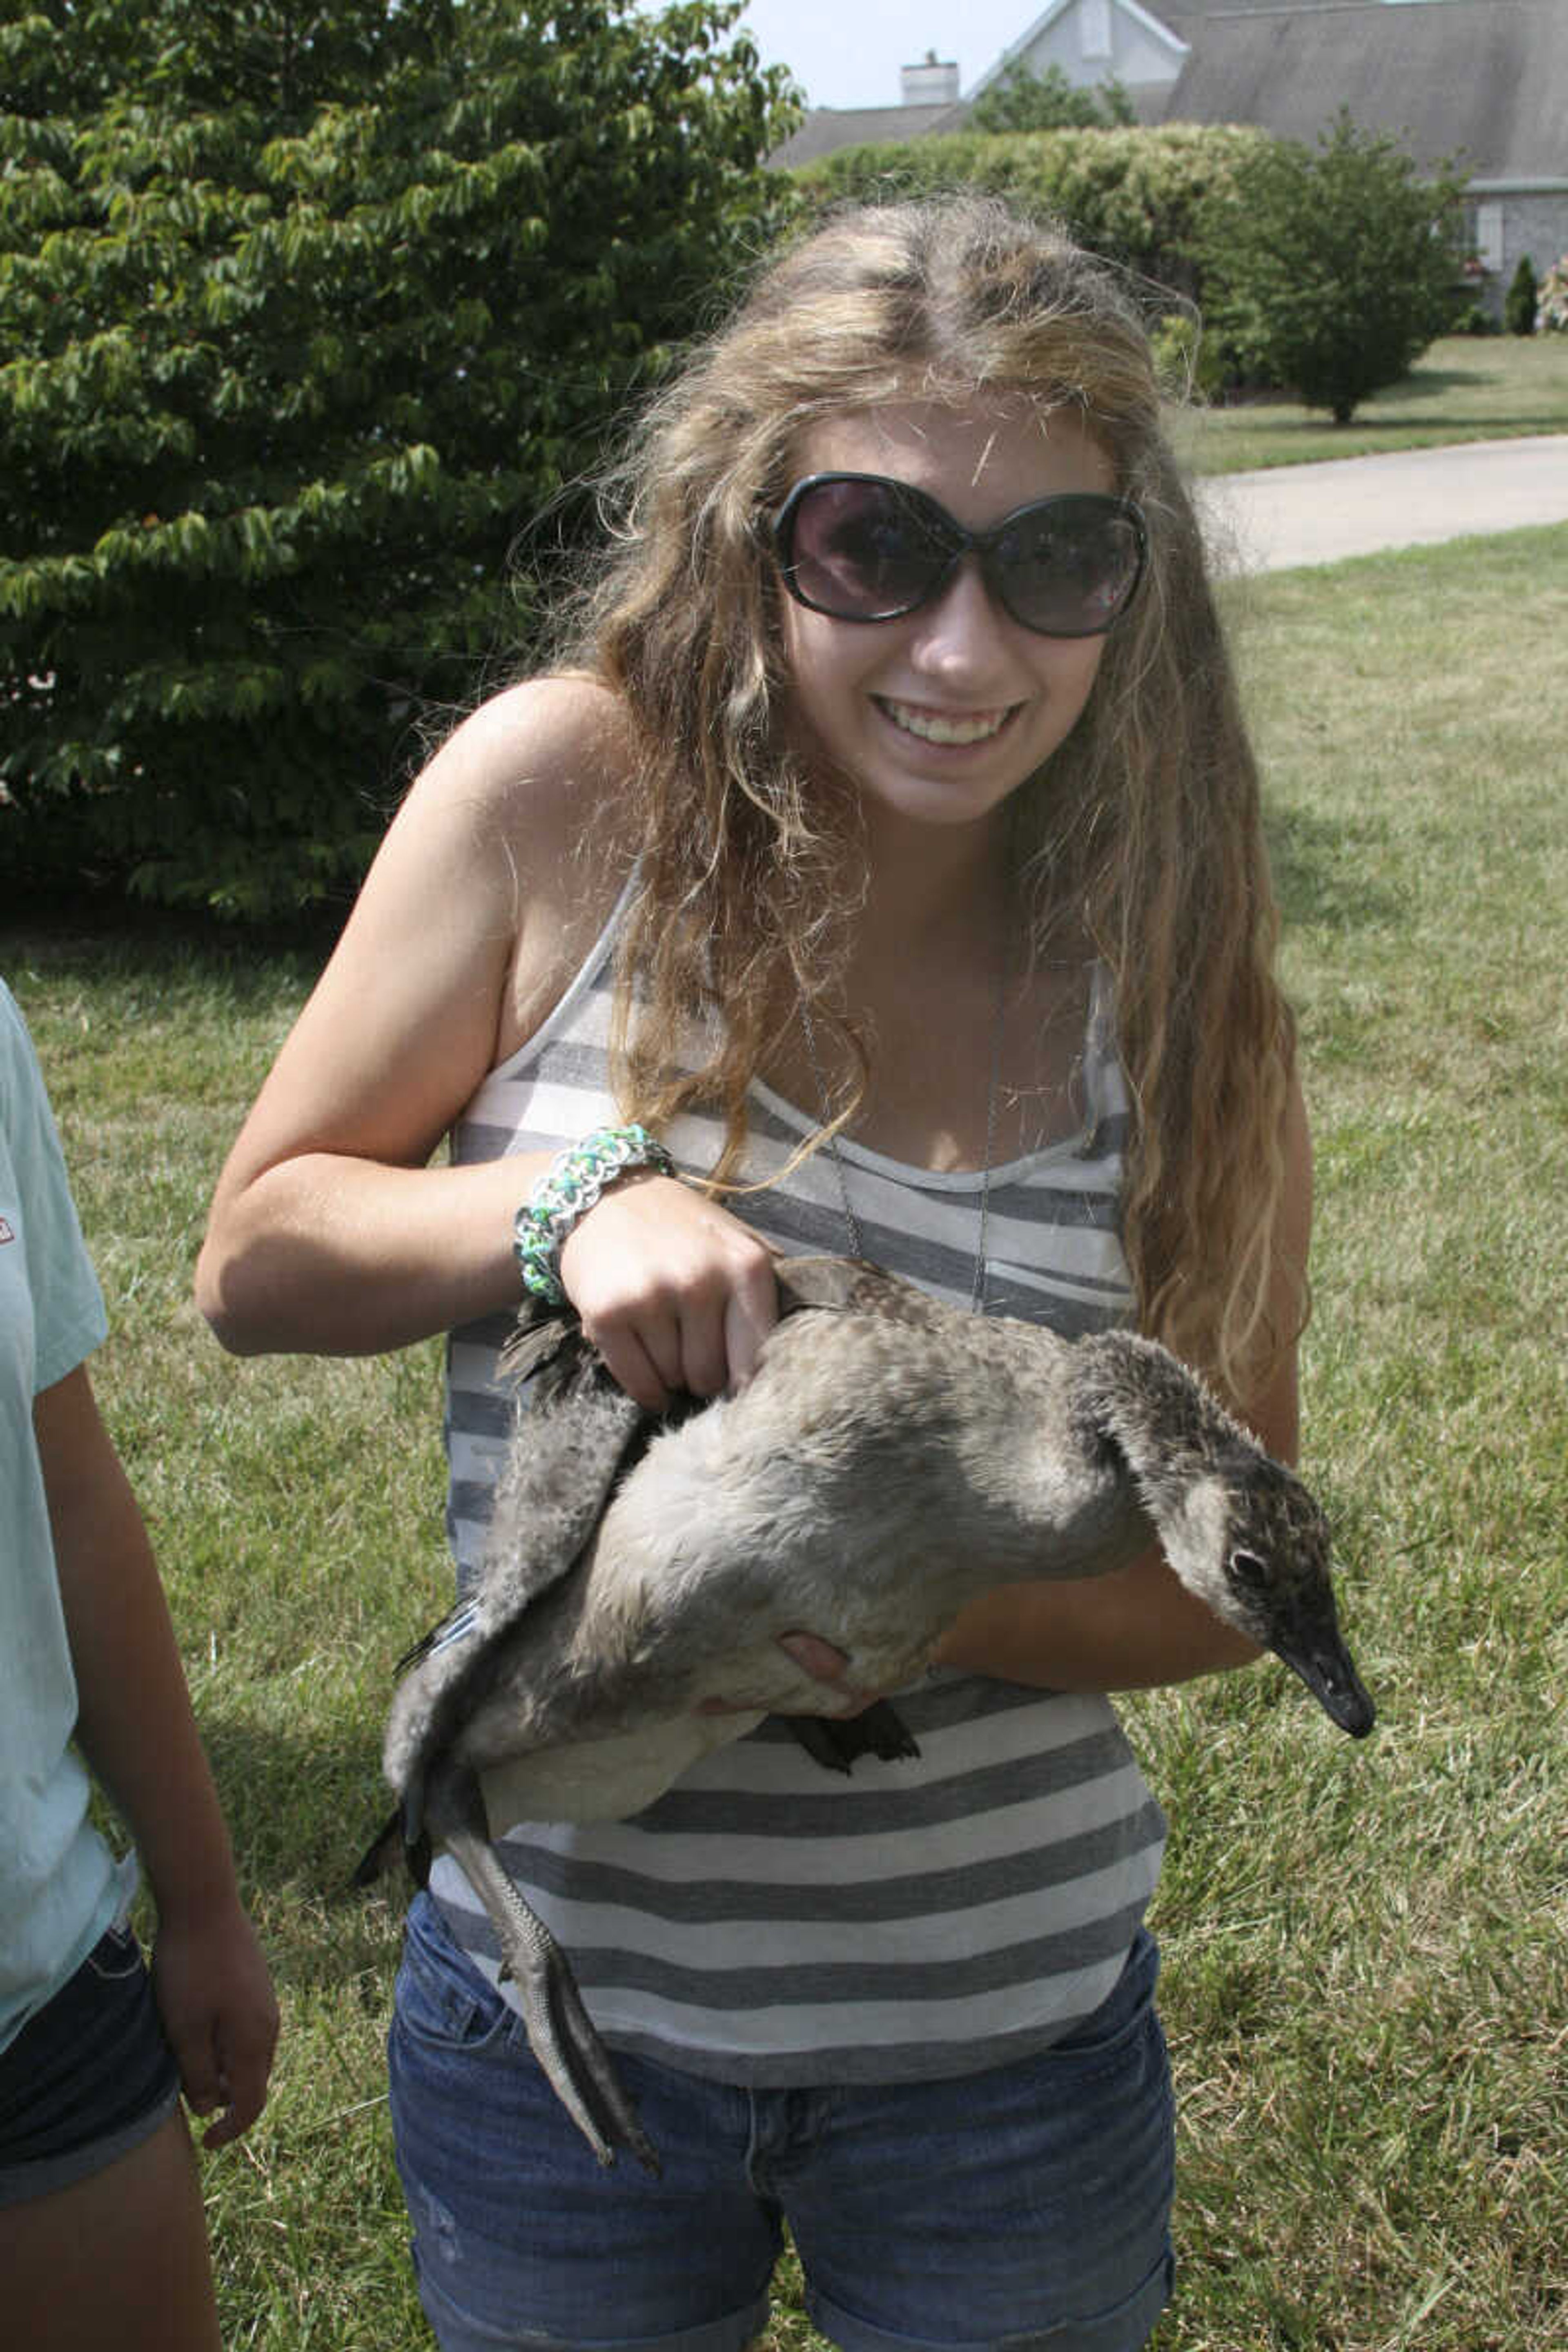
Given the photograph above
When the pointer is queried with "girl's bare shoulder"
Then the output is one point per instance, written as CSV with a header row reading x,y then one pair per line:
x,y
492,883
552,756
531,797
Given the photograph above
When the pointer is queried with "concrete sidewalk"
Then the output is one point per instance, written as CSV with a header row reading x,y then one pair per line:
x,y
1289,515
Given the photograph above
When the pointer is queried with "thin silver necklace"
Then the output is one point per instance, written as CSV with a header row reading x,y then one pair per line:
x,y
851,1222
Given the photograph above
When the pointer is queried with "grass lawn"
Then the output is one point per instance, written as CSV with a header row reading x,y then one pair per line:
x,y
1466,388
1366,1948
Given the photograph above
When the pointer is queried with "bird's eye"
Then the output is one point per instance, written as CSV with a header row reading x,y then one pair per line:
x,y
1247,1572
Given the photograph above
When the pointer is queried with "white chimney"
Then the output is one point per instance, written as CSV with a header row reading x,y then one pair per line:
x,y
928,83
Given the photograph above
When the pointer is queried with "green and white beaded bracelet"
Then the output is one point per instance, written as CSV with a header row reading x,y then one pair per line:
x,y
567,1191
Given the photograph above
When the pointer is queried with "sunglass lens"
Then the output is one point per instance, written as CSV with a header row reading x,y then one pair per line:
x,y
1067,566
860,551
864,548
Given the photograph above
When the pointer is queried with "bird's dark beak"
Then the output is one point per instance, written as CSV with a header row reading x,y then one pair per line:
x,y
1325,1665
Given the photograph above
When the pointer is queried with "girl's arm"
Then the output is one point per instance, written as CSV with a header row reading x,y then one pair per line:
x,y
1141,1627
136,1729
330,1230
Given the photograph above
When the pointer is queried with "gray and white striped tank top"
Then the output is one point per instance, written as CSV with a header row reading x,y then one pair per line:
x,y
765,1922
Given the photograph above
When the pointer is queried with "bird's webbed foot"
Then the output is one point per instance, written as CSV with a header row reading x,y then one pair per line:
x,y
561,2033
836,1741
566,2043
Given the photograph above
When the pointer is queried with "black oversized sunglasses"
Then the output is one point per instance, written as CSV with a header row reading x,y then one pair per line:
x,y
860,547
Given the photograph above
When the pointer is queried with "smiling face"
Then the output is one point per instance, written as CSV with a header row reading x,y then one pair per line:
x,y
938,716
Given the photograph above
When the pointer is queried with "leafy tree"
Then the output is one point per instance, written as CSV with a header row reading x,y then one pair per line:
x,y
1332,270
309,308
1024,100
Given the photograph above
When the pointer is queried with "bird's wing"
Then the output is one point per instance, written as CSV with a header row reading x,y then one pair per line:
x,y
575,1436
855,1286
543,1337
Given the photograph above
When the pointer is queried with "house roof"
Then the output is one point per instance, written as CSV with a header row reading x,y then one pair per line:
x,y
1482,80
1175,13
1156,21
827,128
1485,81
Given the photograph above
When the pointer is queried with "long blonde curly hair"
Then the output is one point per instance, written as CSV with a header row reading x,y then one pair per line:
x,y
1144,826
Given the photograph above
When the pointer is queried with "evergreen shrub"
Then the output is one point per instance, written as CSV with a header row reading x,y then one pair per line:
x,y
1519,302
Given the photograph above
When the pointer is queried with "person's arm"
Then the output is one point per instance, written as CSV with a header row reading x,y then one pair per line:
x,y
328,1231
1140,1627
137,1732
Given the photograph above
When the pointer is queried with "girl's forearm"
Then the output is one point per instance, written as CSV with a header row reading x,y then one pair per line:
x,y
1132,1629
135,1726
138,1733
329,1255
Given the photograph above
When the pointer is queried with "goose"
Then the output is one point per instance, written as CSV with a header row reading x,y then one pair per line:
x,y
891,1459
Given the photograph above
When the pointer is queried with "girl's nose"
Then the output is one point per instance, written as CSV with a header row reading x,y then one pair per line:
x,y
963,628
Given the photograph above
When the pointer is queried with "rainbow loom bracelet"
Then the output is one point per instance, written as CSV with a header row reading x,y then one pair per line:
x,y
567,1191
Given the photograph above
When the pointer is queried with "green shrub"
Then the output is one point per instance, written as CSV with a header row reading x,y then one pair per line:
x,y
300,335
1136,196
1023,101
1331,270
1519,302
1187,361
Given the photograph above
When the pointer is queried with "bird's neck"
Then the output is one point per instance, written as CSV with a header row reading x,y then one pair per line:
x,y
1168,1429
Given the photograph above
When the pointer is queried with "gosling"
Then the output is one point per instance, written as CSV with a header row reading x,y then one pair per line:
x,y
892,1459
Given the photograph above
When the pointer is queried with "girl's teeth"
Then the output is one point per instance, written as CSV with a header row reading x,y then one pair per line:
x,y
933,728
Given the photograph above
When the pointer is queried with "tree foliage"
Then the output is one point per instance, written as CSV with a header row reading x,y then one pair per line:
x,y
1137,197
1331,269
1024,100
308,309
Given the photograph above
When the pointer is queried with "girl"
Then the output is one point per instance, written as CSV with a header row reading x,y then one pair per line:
x,y
94,2152
885,844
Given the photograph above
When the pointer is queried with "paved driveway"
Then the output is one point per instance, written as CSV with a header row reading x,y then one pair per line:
x,y
1288,515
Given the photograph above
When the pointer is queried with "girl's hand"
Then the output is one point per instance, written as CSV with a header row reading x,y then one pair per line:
x,y
826,1663
674,1292
219,2012
822,1660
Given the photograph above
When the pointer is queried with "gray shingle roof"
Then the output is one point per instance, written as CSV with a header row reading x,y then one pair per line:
x,y
827,128
1483,79
1177,13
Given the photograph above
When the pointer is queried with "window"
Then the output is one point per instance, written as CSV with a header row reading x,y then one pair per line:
x,y
1094,28
1489,235
1478,233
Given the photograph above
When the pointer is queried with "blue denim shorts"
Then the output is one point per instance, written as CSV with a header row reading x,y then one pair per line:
x,y
88,2078
1025,2207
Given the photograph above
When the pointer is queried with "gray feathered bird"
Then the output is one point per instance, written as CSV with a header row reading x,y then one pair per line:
x,y
892,1459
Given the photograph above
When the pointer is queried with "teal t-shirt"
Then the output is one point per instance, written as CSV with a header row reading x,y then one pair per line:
x,y
59,1884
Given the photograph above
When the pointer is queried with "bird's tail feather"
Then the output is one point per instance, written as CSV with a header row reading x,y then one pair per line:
x,y
391,1845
